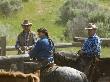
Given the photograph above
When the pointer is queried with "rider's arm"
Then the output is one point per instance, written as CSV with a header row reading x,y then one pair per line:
x,y
35,50
96,47
84,48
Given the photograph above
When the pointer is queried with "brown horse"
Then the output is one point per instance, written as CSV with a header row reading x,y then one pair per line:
x,y
18,77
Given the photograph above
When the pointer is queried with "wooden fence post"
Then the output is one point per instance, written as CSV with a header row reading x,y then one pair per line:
x,y
3,46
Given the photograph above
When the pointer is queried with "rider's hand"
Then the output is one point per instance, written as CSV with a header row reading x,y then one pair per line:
x,y
28,48
97,60
20,50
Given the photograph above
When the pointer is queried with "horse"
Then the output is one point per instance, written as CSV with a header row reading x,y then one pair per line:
x,y
65,59
97,72
18,77
62,74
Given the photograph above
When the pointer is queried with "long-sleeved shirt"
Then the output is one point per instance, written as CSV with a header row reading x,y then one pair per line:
x,y
25,39
42,50
92,46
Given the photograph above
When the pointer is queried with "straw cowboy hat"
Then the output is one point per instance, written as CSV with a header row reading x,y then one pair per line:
x,y
26,23
91,26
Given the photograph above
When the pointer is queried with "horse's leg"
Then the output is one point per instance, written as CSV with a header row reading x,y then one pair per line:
x,y
93,73
78,64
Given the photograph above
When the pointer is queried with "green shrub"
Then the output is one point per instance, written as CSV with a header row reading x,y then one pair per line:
x,y
76,14
8,7
7,30
25,0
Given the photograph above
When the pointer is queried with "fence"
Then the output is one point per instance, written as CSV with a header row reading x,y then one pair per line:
x,y
77,43
20,63
105,41
3,46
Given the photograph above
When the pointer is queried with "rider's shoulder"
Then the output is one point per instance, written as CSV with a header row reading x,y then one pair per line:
x,y
20,34
97,37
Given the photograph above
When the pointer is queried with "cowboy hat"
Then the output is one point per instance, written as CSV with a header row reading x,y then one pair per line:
x,y
91,26
26,23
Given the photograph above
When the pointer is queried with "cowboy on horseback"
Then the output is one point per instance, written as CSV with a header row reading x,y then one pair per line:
x,y
43,49
43,52
91,48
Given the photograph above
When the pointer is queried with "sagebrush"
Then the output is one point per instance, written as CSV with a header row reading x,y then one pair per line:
x,y
9,7
76,14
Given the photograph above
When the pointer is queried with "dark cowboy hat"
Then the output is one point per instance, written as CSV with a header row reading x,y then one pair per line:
x,y
44,30
91,26
26,23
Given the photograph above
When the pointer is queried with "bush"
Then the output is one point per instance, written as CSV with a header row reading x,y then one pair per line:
x,y
5,29
73,8
76,26
25,0
8,7
76,14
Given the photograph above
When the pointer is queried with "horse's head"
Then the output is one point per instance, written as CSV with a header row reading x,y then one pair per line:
x,y
65,59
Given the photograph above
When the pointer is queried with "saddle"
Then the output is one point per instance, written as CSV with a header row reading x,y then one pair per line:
x,y
48,70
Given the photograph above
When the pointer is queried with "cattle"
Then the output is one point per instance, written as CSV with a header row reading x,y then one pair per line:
x,y
18,77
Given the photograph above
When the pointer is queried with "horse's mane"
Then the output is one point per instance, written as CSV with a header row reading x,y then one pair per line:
x,y
66,55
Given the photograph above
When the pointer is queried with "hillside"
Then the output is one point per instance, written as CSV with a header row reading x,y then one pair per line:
x,y
42,13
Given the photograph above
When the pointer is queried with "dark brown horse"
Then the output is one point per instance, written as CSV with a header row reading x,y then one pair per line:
x,y
96,72
65,59
100,71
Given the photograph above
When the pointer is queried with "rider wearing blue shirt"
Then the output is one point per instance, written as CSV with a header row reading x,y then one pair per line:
x,y
92,45
43,49
90,51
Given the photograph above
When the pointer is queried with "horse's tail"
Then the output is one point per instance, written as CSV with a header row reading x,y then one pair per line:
x,y
84,77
